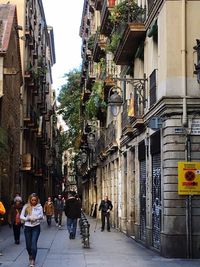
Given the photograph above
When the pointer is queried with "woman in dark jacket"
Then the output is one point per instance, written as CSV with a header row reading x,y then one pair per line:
x,y
14,219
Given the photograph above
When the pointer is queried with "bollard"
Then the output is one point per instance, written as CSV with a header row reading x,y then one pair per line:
x,y
84,231
87,235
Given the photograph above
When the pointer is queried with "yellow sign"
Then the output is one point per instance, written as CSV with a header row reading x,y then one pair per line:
x,y
189,178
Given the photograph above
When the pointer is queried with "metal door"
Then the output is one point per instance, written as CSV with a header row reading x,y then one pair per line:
x,y
143,200
156,200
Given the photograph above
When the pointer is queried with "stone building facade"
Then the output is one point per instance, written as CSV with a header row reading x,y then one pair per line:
x,y
10,83
37,109
138,151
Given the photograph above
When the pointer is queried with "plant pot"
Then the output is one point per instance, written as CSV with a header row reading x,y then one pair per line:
x,y
111,3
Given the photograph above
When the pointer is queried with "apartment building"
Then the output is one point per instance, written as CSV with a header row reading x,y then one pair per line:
x,y
143,52
10,83
37,110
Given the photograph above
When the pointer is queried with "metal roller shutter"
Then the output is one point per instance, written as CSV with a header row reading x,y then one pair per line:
x,y
143,200
156,200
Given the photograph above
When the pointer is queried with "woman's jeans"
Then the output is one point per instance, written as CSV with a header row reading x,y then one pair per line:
x,y
71,226
49,219
31,236
16,231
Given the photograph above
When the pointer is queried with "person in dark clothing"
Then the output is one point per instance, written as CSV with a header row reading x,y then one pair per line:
x,y
73,212
14,219
105,208
58,210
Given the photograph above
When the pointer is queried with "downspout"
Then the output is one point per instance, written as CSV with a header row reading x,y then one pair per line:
x,y
183,59
185,125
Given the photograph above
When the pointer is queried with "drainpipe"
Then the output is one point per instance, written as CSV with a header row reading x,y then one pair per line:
x,y
183,59
185,125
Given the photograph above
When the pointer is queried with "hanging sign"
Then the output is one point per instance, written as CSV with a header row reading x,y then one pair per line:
x,y
189,178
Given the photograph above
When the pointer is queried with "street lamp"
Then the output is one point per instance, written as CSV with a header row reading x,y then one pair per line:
x,y
115,100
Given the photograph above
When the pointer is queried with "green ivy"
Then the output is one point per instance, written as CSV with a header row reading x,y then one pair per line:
x,y
96,101
113,42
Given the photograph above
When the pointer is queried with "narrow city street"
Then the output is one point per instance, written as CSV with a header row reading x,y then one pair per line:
x,y
107,249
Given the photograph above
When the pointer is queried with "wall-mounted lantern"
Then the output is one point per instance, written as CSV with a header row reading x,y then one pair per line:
x,y
115,100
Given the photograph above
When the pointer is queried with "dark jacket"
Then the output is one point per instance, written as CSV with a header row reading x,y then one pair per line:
x,y
13,212
58,204
104,206
72,208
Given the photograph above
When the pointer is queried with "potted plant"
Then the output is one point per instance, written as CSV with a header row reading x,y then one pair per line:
x,y
127,11
111,3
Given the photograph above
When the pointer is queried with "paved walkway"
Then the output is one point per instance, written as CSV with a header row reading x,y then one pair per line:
x,y
112,249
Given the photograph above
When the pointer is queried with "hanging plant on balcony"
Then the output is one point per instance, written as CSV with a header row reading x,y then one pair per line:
x,y
113,42
96,101
127,11
91,42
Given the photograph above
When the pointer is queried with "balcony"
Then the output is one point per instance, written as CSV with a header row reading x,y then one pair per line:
x,y
46,89
90,75
106,25
99,45
29,116
43,108
85,94
100,145
132,35
26,162
39,172
128,32
48,115
48,144
111,72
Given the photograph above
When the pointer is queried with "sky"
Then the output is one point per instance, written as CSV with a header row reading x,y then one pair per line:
x,y
65,18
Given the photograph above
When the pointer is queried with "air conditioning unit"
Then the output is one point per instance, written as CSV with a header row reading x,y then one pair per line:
x,y
155,123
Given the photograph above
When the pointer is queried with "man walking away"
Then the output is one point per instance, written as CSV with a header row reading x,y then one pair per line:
x,y
73,212
58,210
105,208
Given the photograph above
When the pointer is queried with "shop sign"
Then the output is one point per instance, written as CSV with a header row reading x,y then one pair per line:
x,y
189,178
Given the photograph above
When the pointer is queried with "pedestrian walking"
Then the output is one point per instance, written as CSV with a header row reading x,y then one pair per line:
x,y
14,220
32,214
58,210
18,197
73,212
2,213
49,210
105,208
